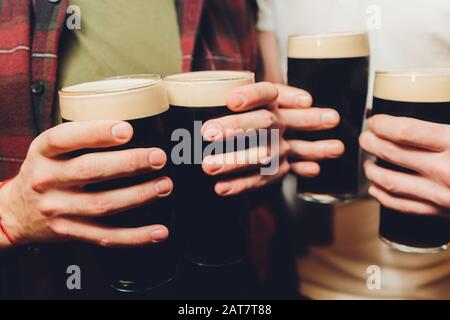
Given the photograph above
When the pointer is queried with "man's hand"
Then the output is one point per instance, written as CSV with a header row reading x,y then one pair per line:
x,y
297,113
288,108
46,201
247,98
421,146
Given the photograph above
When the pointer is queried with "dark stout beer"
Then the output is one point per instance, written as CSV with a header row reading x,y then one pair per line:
x,y
141,101
334,70
214,228
422,95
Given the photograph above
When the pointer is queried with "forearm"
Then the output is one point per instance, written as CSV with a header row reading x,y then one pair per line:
x,y
271,57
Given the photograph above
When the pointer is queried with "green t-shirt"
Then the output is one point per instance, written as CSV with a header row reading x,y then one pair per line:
x,y
120,37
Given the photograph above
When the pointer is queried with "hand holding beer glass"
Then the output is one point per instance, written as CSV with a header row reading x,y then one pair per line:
x,y
44,202
334,69
140,100
219,107
410,135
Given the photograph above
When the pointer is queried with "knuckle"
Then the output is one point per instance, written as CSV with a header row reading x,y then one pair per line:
x,y
51,139
268,118
311,119
34,146
386,151
38,181
387,184
137,240
59,228
444,171
375,122
235,124
284,169
46,207
134,162
443,198
364,139
96,136
285,147
82,169
99,205
405,133
144,195
441,171
272,89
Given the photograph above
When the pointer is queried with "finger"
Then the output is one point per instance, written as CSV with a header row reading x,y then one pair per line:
x,y
411,132
72,136
317,150
105,202
403,156
409,185
108,236
230,126
242,160
309,119
290,97
306,169
253,95
403,204
251,182
100,166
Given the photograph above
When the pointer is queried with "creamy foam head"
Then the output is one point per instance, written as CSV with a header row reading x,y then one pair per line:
x,y
204,88
127,98
426,85
329,46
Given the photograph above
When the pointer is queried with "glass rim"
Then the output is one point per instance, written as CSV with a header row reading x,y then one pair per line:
x,y
329,35
415,72
232,75
130,87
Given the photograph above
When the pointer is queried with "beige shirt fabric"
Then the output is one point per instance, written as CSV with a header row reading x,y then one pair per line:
x,y
340,270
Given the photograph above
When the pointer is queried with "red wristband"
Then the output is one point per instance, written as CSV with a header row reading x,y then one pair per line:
x,y
2,227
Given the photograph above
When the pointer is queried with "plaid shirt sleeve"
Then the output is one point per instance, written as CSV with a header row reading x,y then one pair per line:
x,y
28,62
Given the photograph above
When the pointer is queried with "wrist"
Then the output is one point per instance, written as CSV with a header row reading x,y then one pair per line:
x,y
5,239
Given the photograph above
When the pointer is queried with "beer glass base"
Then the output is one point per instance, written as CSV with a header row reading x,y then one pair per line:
x,y
409,249
213,265
126,286
327,198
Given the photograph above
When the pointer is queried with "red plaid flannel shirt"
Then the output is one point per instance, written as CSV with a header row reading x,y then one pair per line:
x,y
215,34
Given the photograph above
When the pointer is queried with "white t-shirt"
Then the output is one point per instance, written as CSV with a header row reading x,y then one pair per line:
x,y
403,34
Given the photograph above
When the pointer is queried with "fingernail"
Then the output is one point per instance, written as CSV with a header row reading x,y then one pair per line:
x,y
212,131
330,117
236,101
158,235
224,188
215,167
122,130
157,158
303,100
163,187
